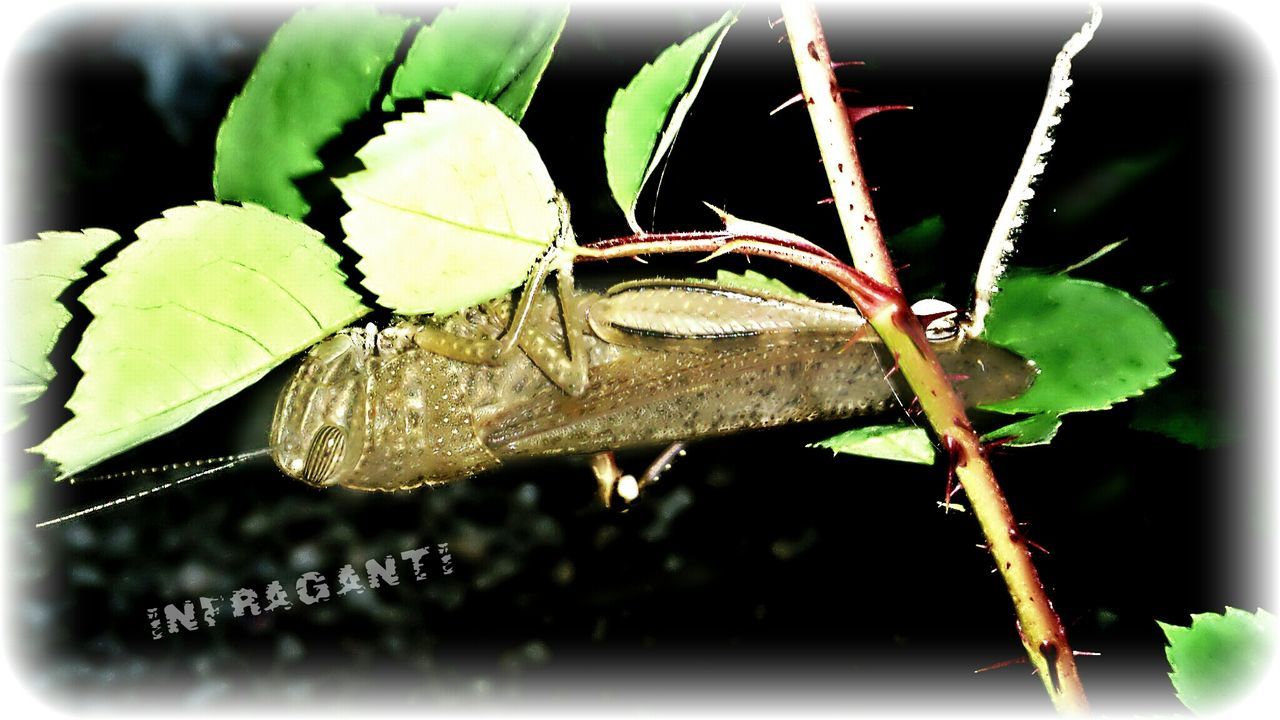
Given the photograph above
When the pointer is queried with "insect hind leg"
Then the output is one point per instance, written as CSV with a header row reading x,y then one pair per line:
x,y
614,483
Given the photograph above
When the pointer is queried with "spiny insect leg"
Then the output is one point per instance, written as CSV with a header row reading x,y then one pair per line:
x,y
520,319
473,350
662,463
614,483
561,357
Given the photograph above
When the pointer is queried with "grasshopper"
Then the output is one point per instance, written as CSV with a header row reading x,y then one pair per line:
x,y
668,360
426,401
648,362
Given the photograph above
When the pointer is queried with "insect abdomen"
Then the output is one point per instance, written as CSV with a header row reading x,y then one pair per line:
x,y
666,396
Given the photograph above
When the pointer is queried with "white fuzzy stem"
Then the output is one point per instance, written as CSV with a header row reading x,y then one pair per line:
x,y
1013,213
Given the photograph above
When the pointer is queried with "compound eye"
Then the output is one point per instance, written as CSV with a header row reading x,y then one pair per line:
x,y
327,448
941,319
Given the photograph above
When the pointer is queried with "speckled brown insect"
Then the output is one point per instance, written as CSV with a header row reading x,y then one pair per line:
x,y
646,363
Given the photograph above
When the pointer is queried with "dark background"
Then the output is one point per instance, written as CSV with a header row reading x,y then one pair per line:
x,y
758,568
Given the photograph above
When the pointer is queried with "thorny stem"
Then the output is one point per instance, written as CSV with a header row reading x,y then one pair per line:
x,y
1041,631
834,129
869,295
886,310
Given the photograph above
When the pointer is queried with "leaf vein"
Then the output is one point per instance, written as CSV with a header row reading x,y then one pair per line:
x,y
446,221
282,289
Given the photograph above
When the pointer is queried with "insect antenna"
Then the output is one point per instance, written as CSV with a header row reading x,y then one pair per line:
x,y
168,467
894,380
231,461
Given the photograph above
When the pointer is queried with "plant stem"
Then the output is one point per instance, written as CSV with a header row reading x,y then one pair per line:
x,y
886,310
1040,629
833,128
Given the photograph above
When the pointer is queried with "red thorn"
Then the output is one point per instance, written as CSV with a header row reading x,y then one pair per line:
x,y
858,114
775,22
993,445
957,377
826,201
790,101
1002,664
861,333
837,64
781,38
843,90
893,369
954,460
1036,545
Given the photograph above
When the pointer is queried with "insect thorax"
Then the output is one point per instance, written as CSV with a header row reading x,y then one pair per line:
x,y
367,410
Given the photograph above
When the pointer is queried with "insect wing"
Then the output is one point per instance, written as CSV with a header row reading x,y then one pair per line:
x,y
690,316
649,396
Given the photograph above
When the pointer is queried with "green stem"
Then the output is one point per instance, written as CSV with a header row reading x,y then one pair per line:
x,y
1040,629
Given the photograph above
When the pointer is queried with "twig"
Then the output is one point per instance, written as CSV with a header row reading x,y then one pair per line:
x,y
1013,212
833,128
1041,631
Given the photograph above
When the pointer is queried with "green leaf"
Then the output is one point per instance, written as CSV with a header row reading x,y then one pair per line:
x,y
1180,412
888,442
635,139
1035,430
921,238
917,250
1220,658
752,280
453,208
1089,194
319,73
1094,344
494,54
38,271
207,300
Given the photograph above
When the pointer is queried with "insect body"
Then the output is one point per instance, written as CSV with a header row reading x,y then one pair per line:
x,y
416,403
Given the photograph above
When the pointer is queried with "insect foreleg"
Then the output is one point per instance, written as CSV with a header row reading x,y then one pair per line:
x,y
561,355
532,288
562,358
474,350
557,257
564,363
479,350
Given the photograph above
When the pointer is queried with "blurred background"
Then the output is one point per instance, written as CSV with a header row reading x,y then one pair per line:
x,y
757,569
